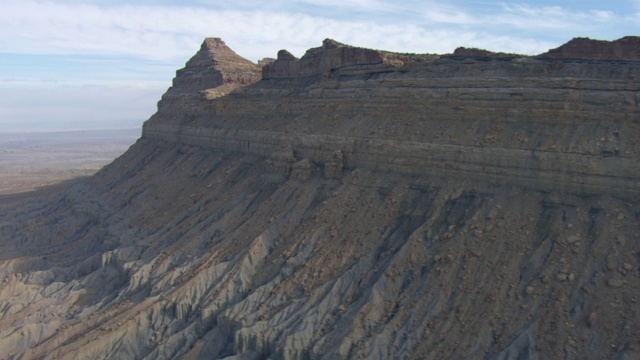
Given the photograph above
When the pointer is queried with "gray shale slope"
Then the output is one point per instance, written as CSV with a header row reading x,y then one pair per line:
x,y
352,203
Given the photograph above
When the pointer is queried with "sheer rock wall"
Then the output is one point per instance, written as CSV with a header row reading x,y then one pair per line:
x,y
562,124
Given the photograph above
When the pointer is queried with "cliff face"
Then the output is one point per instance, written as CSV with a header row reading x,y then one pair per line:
x,y
567,125
353,203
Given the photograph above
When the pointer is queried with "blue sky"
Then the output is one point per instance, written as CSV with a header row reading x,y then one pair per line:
x,y
88,64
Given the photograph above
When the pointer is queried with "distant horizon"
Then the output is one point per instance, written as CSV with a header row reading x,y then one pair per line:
x,y
72,63
73,130
58,128
32,130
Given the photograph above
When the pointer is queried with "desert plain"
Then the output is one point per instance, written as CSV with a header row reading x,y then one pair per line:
x,y
36,160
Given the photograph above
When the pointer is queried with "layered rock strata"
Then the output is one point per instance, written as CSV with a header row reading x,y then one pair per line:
x,y
214,71
552,125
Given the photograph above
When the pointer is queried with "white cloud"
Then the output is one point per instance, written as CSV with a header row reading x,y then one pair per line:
x,y
363,5
170,32
635,17
46,27
603,15
450,17
174,32
554,18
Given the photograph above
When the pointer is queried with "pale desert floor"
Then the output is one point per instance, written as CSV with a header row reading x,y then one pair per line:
x,y
30,161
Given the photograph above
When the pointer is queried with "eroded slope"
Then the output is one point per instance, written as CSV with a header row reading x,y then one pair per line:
x,y
225,257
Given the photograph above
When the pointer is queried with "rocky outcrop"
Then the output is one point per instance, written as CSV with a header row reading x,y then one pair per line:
x,y
214,71
624,49
461,206
332,55
463,52
217,67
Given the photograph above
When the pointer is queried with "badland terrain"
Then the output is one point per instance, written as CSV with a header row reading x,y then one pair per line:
x,y
352,203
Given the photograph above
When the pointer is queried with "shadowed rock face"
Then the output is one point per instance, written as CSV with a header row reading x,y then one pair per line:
x,y
624,49
352,204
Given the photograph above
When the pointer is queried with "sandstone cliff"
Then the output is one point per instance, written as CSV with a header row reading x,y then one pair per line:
x,y
564,125
352,203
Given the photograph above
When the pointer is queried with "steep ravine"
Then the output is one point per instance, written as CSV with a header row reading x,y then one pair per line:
x,y
191,251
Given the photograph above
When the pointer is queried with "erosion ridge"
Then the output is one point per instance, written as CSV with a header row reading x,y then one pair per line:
x,y
350,204
508,119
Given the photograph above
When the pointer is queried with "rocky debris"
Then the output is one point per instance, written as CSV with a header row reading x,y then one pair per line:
x,y
592,319
615,283
346,212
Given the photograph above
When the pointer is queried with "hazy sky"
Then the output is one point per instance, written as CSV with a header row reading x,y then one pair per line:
x,y
86,64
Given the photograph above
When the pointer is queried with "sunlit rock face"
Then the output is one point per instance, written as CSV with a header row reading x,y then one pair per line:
x,y
352,203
